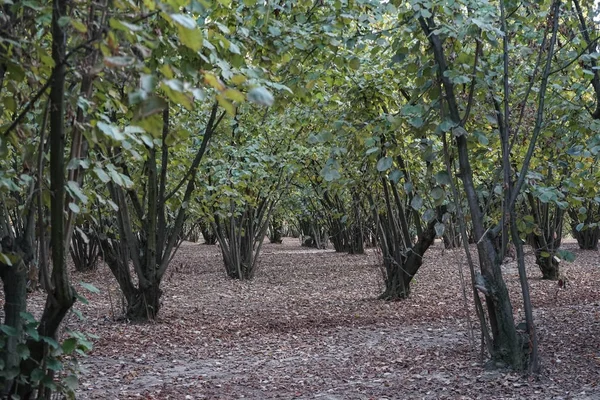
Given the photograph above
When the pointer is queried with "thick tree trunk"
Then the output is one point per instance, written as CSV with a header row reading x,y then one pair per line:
x,y
587,239
276,231
207,233
401,269
14,279
548,266
338,235
143,304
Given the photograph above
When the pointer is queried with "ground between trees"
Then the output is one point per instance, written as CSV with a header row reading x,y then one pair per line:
x,y
310,326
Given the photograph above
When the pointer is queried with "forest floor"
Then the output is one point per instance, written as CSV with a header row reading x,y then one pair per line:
x,y
309,326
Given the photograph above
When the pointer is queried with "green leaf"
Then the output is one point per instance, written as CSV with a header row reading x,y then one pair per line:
x,y
579,227
9,330
331,174
51,342
416,203
545,254
103,176
384,164
191,38
53,364
437,193
23,351
79,26
261,96
76,191
37,375
442,178
69,345
152,105
5,259
567,255
28,317
396,175
75,208
429,214
354,63
71,382
33,333
183,20
446,125
439,229
89,287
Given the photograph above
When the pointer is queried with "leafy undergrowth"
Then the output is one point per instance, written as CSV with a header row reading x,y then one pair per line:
x,y
310,326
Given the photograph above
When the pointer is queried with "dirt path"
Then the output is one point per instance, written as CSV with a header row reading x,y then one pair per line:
x,y
309,326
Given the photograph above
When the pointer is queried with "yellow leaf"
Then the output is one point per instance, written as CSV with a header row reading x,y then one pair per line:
x,y
167,71
238,79
234,95
151,5
212,80
79,26
191,38
230,108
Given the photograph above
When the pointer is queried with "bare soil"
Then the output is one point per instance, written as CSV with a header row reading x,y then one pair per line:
x,y
309,326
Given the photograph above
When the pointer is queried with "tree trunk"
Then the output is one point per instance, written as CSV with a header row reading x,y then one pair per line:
x,y
587,239
400,271
276,231
84,250
208,234
357,240
14,279
547,236
143,304
588,234
452,235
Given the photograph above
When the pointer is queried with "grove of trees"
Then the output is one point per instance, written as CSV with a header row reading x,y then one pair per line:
x,y
129,127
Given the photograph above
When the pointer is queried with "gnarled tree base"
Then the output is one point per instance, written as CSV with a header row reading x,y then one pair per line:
x,y
587,239
143,305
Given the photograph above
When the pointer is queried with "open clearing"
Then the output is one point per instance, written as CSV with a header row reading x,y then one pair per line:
x,y
310,326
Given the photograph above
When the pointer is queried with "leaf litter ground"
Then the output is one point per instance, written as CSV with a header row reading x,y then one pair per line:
x,y
309,326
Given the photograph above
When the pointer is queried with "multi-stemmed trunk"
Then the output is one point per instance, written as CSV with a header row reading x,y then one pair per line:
x,y
586,232
20,249
401,258
241,237
506,345
276,231
84,248
145,237
547,236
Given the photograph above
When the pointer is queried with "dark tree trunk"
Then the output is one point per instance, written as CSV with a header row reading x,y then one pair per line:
x,y
241,238
402,270
312,234
587,239
143,304
451,236
276,231
547,236
84,249
339,235
589,234
357,240
14,279
208,234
